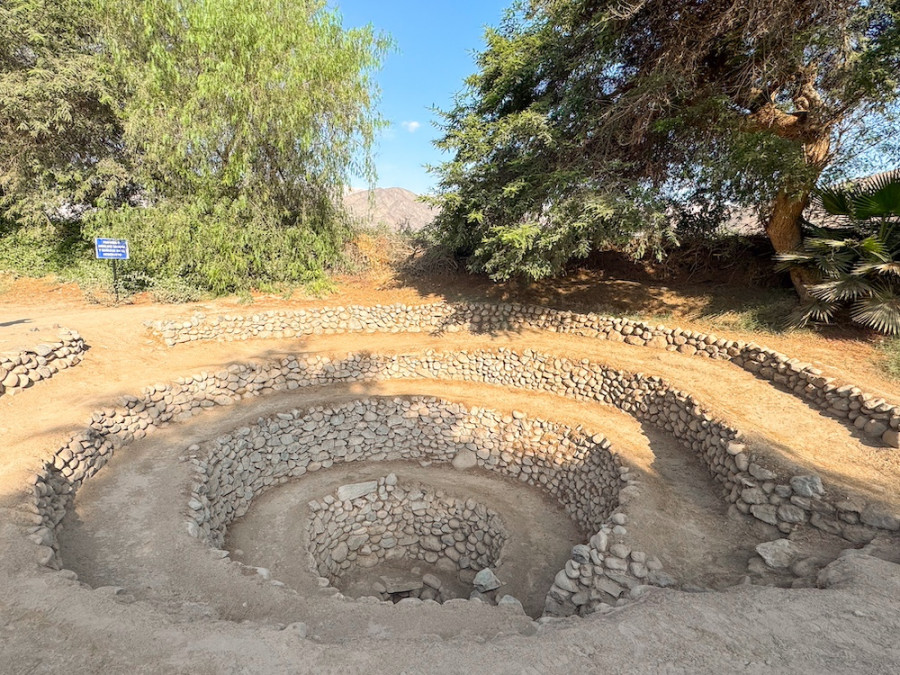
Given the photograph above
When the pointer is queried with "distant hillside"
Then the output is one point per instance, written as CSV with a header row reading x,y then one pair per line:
x,y
391,207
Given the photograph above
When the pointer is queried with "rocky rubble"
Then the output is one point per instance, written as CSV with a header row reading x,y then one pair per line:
x,y
602,574
605,572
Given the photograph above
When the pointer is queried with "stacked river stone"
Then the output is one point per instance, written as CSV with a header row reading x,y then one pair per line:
x,y
19,370
365,524
872,415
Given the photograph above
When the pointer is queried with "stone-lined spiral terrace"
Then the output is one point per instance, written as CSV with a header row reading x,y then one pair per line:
x,y
750,486
574,468
788,502
875,417
577,467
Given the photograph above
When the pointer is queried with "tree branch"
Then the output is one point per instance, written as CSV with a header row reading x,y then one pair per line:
x,y
793,126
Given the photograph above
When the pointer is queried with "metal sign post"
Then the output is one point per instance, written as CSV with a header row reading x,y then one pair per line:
x,y
112,249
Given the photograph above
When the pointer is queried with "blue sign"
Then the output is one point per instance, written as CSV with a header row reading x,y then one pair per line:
x,y
111,249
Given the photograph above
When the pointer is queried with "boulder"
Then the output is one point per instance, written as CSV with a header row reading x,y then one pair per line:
x,y
356,490
778,554
465,459
398,584
807,486
486,580
510,603
879,517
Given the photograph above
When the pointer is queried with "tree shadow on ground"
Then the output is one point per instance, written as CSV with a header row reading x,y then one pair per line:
x,y
614,285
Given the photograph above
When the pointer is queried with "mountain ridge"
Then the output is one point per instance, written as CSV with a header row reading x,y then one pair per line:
x,y
395,208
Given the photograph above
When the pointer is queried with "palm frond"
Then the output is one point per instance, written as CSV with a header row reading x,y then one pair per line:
x,y
880,311
825,243
812,311
875,247
831,258
788,260
884,268
844,288
880,198
836,200
836,264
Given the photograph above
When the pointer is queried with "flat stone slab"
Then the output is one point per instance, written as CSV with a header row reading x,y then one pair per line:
x,y
486,580
396,584
880,517
356,490
608,586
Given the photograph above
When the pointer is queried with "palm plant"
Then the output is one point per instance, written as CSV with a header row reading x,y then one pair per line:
x,y
859,264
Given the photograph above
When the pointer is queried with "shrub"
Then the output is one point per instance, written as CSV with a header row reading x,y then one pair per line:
x,y
858,265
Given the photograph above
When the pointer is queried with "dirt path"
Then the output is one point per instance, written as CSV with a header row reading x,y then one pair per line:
x,y
711,308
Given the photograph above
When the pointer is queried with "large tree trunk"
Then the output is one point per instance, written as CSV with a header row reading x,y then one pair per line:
x,y
783,230
783,227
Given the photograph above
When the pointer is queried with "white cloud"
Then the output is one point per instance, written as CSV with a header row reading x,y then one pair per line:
x,y
411,127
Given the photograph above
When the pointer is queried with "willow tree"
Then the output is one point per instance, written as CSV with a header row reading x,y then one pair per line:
x,y
585,113
246,119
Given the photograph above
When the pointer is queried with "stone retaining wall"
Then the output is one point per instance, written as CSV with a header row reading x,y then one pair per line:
x,y
871,415
577,469
774,496
603,573
381,521
20,370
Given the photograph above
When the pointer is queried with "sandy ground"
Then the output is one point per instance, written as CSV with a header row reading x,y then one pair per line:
x,y
184,611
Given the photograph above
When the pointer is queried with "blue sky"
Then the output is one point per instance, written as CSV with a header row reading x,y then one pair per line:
x,y
435,42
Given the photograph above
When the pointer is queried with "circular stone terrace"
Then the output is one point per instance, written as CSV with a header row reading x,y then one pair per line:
x,y
463,474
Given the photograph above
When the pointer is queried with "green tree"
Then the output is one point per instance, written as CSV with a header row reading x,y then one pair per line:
x,y
247,118
61,144
589,119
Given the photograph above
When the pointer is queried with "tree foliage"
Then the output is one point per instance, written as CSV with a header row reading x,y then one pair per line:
x,y
269,98
238,123
588,121
248,116
60,137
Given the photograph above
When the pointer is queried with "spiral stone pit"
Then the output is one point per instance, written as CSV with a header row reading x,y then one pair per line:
x,y
364,525
577,468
